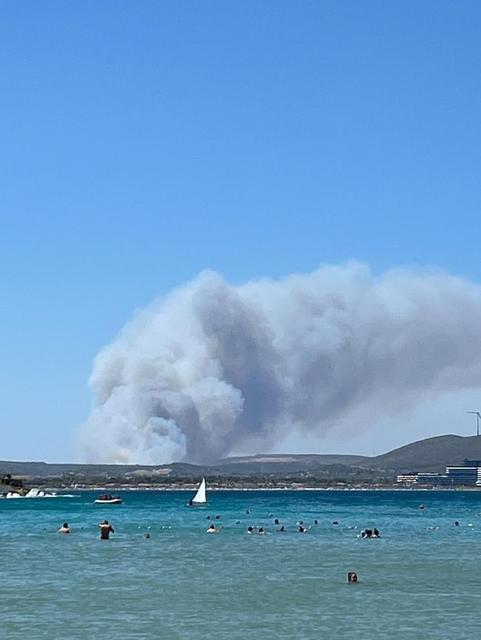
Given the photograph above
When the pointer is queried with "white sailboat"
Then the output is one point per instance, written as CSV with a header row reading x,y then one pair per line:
x,y
200,497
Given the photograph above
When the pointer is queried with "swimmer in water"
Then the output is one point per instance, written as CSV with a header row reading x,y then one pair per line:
x,y
352,576
250,530
146,536
282,529
276,521
64,528
105,530
261,531
456,524
213,529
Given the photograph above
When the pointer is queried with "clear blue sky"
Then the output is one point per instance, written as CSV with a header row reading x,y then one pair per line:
x,y
143,141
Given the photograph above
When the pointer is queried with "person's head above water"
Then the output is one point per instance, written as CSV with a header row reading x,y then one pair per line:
x,y
65,525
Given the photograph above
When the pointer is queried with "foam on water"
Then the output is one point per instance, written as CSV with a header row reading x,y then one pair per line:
x,y
419,580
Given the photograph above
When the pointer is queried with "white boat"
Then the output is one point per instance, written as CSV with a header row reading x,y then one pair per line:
x,y
39,493
108,500
200,497
32,493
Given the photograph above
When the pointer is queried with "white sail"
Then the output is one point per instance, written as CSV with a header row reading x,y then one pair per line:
x,y
200,497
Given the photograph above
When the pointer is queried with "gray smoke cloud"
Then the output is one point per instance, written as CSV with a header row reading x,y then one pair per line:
x,y
213,369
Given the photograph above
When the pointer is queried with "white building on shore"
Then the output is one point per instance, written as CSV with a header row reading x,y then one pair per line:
x,y
468,474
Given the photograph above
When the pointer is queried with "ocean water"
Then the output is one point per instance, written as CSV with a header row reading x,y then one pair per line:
x,y
422,579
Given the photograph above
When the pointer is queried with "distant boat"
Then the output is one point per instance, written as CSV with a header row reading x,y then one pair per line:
x,y
200,497
38,493
108,500
33,493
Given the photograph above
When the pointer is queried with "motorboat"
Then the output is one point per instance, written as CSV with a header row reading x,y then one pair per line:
x,y
108,499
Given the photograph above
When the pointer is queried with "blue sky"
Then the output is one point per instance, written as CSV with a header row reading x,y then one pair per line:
x,y
142,142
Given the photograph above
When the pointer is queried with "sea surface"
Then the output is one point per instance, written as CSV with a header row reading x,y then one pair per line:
x,y
422,579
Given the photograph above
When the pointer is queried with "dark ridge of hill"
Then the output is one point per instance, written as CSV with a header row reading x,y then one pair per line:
x,y
59,470
279,464
431,454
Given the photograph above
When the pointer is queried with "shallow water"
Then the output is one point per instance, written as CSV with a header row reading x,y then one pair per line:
x,y
416,581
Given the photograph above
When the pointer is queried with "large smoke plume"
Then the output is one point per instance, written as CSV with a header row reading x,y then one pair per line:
x,y
213,368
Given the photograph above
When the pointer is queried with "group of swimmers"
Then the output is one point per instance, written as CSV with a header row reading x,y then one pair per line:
x,y
300,525
106,528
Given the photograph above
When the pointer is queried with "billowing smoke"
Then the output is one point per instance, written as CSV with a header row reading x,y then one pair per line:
x,y
214,369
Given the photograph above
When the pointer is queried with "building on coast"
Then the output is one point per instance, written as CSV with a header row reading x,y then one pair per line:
x,y
468,474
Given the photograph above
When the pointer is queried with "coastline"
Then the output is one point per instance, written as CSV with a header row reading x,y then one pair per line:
x,y
121,488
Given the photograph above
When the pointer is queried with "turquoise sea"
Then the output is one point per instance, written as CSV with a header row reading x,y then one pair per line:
x,y
422,579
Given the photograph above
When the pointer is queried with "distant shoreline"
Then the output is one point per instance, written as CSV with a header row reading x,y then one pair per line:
x,y
250,489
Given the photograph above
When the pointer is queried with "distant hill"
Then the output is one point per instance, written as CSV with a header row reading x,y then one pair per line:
x,y
431,454
54,470
285,463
